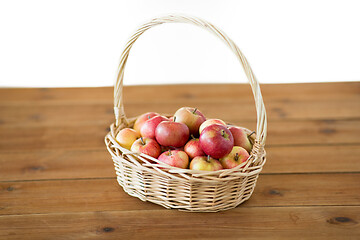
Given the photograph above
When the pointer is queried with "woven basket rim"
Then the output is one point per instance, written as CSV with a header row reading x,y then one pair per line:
x,y
244,169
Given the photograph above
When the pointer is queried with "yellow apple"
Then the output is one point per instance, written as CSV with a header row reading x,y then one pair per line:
x,y
126,137
210,122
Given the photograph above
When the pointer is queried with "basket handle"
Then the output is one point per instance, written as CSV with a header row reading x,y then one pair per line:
x,y
261,127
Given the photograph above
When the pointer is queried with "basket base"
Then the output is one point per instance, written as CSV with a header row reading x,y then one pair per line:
x,y
190,206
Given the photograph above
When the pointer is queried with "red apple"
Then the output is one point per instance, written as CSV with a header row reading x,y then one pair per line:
x,y
209,122
193,149
174,134
126,137
216,140
175,158
240,138
147,146
148,128
205,163
142,119
237,156
192,117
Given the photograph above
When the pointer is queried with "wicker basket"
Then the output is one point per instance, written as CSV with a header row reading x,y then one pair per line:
x,y
204,191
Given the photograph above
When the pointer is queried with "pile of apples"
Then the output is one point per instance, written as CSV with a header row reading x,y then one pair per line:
x,y
187,140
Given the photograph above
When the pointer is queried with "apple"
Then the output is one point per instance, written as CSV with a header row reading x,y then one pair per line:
x,y
192,118
216,140
142,119
237,156
209,122
126,137
205,163
148,128
240,138
147,146
193,149
174,134
175,158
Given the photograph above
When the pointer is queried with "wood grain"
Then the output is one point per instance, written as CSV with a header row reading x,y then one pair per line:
x,y
96,163
231,111
310,159
79,105
57,180
326,223
312,91
56,164
105,194
91,135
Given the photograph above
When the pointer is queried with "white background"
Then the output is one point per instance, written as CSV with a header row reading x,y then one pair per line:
x,y
78,43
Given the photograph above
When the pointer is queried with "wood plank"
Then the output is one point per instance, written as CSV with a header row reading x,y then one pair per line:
x,y
306,190
105,194
56,164
66,137
311,101
206,92
55,115
92,135
310,91
234,110
312,159
231,110
313,132
97,163
55,95
248,223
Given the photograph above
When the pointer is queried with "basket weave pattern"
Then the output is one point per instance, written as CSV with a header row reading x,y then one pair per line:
x,y
205,191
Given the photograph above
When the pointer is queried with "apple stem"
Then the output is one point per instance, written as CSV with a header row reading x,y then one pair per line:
x,y
236,156
170,152
148,116
174,118
194,110
222,133
208,158
251,134
192,136
142,141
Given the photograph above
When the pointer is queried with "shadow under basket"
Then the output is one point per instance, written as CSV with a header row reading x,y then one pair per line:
x,y
150,180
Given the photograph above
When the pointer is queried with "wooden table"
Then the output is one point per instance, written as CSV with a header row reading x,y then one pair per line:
x,y
57,179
